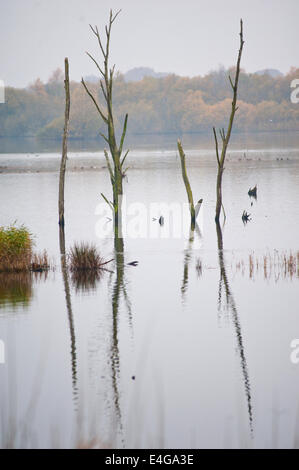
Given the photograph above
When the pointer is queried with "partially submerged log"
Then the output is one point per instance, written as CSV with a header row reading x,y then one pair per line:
x,y
193,210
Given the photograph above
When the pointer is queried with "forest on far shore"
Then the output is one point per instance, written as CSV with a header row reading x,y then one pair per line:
x,y
170,104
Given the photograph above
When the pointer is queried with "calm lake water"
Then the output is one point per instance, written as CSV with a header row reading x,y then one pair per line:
x,y
161,354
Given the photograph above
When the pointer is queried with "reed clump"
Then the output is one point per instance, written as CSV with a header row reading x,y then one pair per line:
x,y
15,248
40,262
85,256
16,251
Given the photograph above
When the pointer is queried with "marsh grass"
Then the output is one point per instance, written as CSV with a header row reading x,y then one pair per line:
x,y
276,265
15,248
16,251
40,262
85,256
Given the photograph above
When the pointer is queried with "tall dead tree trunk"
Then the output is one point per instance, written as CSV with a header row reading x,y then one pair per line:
x,y
64,143
225,137
115,167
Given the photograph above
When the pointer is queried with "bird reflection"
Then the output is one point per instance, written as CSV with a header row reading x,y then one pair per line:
x,y
223,282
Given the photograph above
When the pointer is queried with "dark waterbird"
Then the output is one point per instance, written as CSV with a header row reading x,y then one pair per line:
x,y
133,263
245,217
161,220
253,192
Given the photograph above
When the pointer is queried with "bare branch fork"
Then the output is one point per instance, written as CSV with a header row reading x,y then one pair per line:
x,y
115,167
225,137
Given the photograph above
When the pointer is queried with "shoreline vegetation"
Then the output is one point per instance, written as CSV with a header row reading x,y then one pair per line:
x,y
16,251
86,264
167,105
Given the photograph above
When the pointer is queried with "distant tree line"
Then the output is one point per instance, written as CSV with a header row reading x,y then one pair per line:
x,y
171,104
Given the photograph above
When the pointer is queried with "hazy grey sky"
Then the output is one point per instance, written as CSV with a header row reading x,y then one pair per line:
x,y
187,37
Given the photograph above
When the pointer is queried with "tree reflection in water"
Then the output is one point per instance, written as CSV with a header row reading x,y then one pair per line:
x,y
188,257
68,301
119,291
224,282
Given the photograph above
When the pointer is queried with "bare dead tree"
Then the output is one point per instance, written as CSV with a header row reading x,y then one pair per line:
x,y
115,162
225,137
64,143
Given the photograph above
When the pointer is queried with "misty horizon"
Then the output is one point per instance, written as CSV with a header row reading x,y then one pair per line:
x,y
154,74
186,41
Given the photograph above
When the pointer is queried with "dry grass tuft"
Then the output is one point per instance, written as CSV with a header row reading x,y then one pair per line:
x,y
85,256
40,262
277,265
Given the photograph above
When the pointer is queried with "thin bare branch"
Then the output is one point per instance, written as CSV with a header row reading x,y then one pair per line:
x,y
97,34
216,144
112,72
93,30
104,137
109,165
108,202
125,156
100,42
221,132
115,16
103,91
94,60
94,101
123,135
232,85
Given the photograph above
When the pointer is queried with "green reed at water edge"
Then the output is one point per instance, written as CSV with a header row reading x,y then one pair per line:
x,y
16,251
